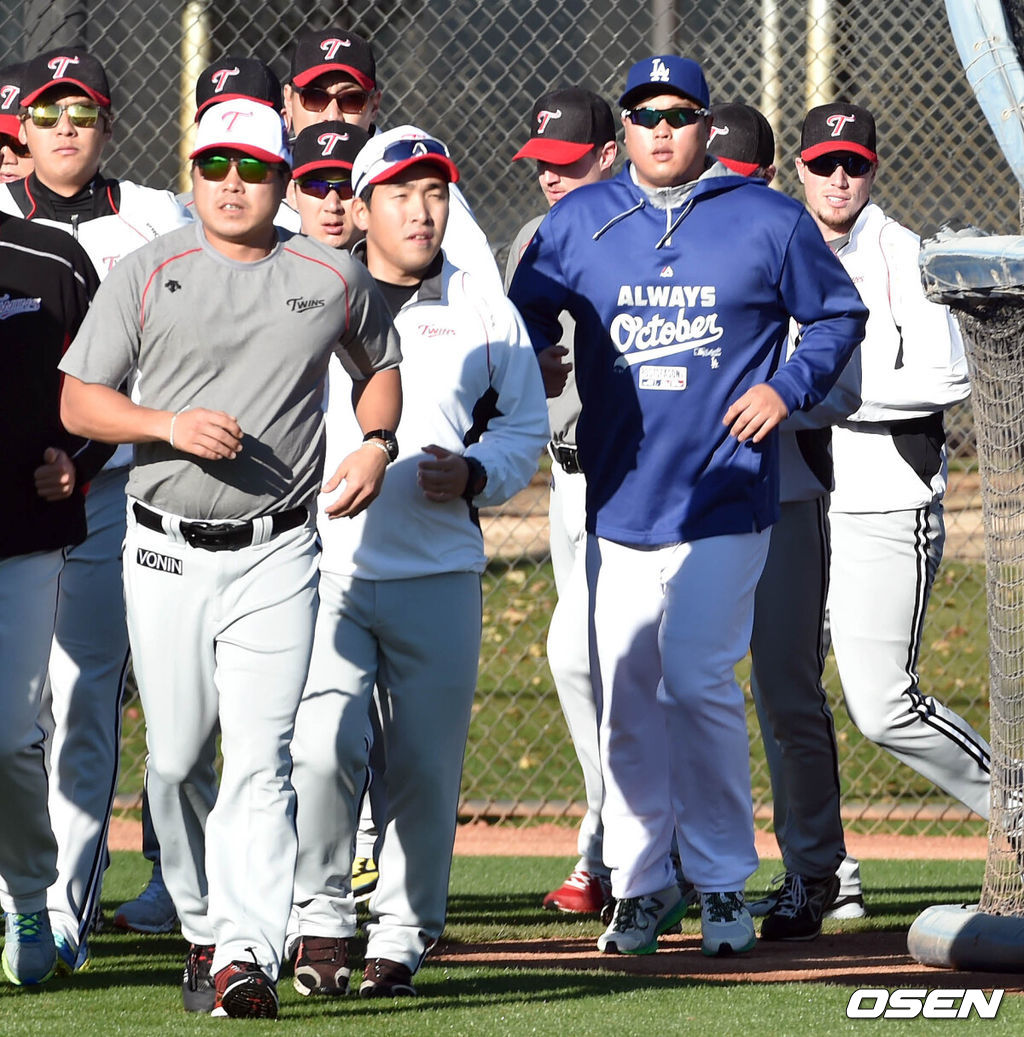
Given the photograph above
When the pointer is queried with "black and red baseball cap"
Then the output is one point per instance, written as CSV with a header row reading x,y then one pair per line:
x,y
333,50
65,66
230,78
331,145
838,127
741,138
10,99
566,124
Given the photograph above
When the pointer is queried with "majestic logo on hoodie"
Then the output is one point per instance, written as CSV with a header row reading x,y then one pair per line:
x,y
650,336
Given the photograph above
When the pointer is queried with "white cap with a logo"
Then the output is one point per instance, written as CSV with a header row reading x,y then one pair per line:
x,y
246,126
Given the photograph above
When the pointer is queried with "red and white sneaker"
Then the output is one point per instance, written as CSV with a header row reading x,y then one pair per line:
x,y
244,991
581,894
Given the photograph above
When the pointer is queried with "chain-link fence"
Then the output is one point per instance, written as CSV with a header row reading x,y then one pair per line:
x,y
469,72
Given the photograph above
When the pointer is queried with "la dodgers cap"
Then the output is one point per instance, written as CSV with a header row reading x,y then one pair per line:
x,y
333,50
565,124
10,99
230,78
243,125
665,74
385,155
65,66
331,145
741,138
838,127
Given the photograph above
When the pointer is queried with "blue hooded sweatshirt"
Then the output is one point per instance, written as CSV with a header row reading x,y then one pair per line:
x,y
678,312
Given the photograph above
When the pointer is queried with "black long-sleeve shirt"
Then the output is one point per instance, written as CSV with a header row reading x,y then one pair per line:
x,y
46,283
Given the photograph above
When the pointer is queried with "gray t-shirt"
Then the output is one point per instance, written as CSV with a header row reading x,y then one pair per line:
x,y
250,339
563,410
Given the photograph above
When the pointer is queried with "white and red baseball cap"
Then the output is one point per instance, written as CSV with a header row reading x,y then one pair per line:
x,y
386,154
243,125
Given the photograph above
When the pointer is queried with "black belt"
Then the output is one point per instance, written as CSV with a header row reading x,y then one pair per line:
x,y
220,536
567,457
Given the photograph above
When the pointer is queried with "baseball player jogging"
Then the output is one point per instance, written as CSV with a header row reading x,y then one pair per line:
x,y
46,281
786,644
333,76
67,125
890,464
682,278
400,605
228,79
221,548
572,140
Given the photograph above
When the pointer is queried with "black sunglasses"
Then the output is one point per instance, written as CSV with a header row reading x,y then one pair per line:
x,y
675,117
313,99
19,149
317,187
250,170
853,165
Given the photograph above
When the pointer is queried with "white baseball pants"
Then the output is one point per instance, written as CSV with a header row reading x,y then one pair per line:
x,y
568,648
28,851
224,642
88,666
418,640
883,567
669,626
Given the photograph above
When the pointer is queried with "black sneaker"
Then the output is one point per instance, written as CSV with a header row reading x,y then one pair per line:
x,y
800,908
198,993
384,978
321,966
245,991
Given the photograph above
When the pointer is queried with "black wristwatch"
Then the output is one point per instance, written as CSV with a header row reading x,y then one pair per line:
x,y
387,439
476,480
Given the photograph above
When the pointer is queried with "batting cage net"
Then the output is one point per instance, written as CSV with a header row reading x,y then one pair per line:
x,y
469,71
994,332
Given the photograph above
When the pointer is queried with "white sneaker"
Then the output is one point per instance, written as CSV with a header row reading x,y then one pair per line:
x,y
725,924
849,906
639,921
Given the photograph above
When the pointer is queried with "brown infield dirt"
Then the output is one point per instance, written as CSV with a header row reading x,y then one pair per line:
x,y
860,959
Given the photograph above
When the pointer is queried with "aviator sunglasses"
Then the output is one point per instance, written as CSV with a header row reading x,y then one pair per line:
x,y
853,165
15,145
318,187
316,100
675,117
80,114
250,170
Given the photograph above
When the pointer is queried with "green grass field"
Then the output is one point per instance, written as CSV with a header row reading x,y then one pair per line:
x,y
132,984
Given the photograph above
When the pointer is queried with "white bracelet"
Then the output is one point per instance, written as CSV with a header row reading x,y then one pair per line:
x,y
170,438
379,445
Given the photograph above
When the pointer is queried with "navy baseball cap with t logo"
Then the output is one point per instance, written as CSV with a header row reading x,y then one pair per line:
x,y
565,125
330,145
333,50
665,74
741,138
69,67
838,127
230,78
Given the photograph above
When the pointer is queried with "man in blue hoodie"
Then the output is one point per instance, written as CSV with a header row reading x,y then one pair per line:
x,y
682,278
